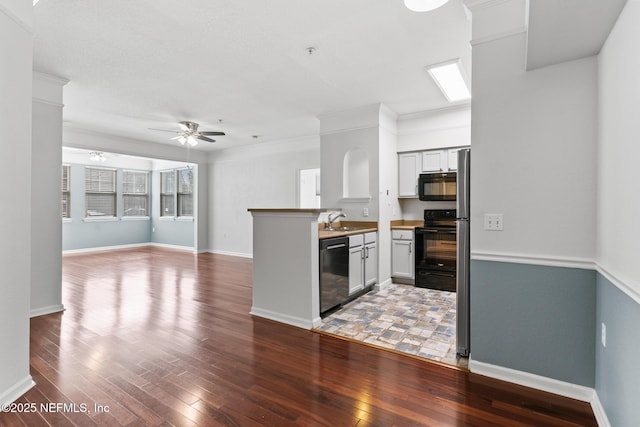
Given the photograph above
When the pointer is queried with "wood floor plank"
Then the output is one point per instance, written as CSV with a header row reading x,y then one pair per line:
x,y
163,337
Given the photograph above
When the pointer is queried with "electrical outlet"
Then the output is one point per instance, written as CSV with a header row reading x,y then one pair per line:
x,y
365,211
493,222
603,334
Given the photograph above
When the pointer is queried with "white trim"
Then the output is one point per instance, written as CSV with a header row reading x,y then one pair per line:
x,y
101,219
18,389
599,412
538,382
547,260
15,18
627,289
365,199
527,379
184,218
35,312
46,102
104,248
230,253
498,36
284,318
383,285
553,261
135,218
170,246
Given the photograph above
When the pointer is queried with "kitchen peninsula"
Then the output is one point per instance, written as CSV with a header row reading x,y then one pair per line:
x,y
285,265
286,279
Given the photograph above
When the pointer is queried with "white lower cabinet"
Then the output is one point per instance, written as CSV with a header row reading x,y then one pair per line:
x,y
363,261
402,255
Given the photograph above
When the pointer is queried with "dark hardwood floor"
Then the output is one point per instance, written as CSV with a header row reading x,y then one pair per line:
x,y
161,337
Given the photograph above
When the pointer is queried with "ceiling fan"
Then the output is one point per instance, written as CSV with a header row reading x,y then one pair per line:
x,y
190,134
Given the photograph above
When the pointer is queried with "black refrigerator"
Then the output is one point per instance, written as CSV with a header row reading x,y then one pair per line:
x,y
463,253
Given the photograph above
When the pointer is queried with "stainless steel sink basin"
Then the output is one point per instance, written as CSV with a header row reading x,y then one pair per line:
x,y
345,228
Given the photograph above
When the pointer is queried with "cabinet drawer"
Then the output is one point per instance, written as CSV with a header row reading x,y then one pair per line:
x,y
402,234
356,240
370,237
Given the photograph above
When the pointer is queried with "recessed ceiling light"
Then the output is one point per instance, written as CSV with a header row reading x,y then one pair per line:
x,y
423,5
450,79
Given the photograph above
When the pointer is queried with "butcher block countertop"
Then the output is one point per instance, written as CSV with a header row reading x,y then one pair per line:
x,y
406,224
346,228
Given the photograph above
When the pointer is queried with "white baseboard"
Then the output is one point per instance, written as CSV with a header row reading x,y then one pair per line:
x,y
238,254
46,310
550,385
17,390
103,248
168,246
599,412
283,318
383,285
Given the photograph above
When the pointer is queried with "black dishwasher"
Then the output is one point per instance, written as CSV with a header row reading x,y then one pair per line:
x,y
334,273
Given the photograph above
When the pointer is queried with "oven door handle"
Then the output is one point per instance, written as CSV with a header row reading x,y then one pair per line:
x,y
432,230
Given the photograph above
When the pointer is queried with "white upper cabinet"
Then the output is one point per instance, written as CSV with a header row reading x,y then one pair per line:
x,y
452,155
408,171
434,160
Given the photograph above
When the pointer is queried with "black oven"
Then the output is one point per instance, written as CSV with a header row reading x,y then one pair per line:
x,y
437,187
435,253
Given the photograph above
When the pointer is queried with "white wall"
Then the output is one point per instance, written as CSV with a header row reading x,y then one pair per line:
x,y
16,50
448,127
46,227
619,151
260,176
534,154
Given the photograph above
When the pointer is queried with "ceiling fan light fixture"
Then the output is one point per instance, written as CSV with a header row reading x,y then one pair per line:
x,y
182,140
423,5
97,156
192,141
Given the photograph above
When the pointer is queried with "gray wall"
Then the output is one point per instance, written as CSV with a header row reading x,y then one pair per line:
x,y
535,319
617,367
168,231
81,234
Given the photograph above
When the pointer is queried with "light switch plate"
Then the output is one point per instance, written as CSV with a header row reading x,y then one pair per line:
x,y
493,222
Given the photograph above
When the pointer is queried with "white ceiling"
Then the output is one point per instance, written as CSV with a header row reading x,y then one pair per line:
x,y
564,30
135,65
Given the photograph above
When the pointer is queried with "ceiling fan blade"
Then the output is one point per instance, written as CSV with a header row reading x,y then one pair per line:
x,y
177,137
204,138
165,130
212,133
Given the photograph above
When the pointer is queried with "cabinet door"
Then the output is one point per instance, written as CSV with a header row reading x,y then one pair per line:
x,y
402,258
434,160
356,270
452,155
408,171
370,264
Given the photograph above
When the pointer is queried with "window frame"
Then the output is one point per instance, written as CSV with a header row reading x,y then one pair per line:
x,y
167,194
65,185
182,195
112,193
135,194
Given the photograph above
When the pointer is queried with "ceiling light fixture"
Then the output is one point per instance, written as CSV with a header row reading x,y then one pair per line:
x,y
97,156
423,5
450,79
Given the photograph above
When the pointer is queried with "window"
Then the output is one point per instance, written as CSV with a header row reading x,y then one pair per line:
x,y
100,190
135,193
185,192
66,191
167,193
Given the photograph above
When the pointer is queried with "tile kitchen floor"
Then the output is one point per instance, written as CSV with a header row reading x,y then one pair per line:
x,y
417,321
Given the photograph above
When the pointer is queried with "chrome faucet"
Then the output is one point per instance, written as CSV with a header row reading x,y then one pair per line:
x,y
333,216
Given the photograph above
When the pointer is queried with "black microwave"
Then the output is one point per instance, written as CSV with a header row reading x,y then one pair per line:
x,y
437,187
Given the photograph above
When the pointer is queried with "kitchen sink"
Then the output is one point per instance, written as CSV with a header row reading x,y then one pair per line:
x,y
346,229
